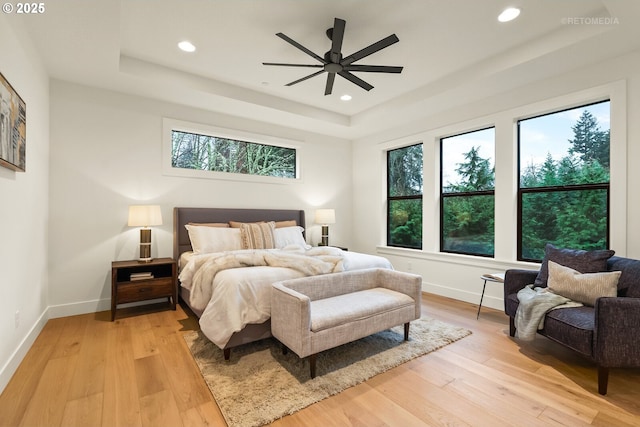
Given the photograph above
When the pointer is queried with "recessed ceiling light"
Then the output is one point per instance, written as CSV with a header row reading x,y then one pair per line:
x,y
187,46
345,98
509,14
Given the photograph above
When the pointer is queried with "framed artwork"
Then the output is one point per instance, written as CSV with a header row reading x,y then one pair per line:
x,y
13,128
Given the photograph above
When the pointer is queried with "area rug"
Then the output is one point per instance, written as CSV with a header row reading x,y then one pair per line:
x,y
260,384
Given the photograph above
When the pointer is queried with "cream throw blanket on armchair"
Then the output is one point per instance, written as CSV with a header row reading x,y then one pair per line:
x,y
535,303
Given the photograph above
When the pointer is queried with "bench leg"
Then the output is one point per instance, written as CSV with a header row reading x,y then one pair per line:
x,y
603,380
512,327
406,331
227,354
312,366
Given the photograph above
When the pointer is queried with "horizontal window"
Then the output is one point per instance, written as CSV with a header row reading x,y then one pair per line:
x,y
197,150
212,153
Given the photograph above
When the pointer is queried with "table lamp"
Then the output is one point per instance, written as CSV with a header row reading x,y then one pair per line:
x,y
145,216
325,217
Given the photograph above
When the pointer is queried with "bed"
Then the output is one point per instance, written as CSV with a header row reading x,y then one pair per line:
x,y
234,308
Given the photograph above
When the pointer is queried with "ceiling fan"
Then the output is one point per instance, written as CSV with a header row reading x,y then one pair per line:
x,y
334,63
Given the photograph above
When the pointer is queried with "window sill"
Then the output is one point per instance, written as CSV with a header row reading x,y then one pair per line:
x,y
457,259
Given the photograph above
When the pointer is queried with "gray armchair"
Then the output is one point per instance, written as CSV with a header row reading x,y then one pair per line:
x,y
608,333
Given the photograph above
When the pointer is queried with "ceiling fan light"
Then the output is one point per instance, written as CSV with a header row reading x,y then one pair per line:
x,y
509,14
186,46
345,97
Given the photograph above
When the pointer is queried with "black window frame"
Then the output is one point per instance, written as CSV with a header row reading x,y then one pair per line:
x,y
391,198
558,189
444,195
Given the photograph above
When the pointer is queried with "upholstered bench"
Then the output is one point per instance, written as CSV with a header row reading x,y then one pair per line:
x,y
313,314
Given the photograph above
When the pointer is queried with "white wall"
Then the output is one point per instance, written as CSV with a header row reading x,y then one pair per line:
x,y
457,276
106,154
23,206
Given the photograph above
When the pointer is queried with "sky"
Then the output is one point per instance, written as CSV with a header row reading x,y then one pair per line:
x,y
539,136
551,133
455,147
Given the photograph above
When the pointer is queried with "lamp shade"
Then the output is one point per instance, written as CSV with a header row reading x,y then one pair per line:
x,y
325,216
144,215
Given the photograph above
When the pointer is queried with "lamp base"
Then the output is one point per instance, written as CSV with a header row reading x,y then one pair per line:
x,y
145,245
325,236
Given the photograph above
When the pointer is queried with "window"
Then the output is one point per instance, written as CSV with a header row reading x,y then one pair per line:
x,y
197,151
563,195
467,193
404,197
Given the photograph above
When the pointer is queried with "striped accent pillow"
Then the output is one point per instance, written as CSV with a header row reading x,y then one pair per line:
x,y
258,235
582,287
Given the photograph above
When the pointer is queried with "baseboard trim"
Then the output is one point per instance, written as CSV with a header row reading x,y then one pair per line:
x,y
76,308
93,306
496,303
10,368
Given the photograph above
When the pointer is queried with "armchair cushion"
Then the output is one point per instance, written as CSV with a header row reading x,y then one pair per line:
x,y
572,327
577,259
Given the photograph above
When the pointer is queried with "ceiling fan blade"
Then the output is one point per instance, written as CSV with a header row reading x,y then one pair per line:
x,y
305,78
337,35
329,87
299,46
293,65
373,68
371,49
356,80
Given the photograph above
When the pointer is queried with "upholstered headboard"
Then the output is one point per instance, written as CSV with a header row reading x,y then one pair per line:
x,y
183,216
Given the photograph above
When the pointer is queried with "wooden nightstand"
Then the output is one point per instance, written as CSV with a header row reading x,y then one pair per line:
x,y
133,281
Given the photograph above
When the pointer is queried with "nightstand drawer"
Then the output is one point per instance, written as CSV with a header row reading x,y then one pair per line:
x,y
145,289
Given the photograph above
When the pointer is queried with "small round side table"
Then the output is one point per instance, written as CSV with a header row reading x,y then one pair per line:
x,y
487,278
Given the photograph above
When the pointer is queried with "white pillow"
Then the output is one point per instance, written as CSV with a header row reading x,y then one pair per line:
x,y
205,240
286,236
582,287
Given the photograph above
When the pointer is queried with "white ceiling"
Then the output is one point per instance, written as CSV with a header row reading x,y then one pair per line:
x,y
446,46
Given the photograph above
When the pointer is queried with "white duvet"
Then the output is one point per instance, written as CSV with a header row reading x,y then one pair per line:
x,y
232,295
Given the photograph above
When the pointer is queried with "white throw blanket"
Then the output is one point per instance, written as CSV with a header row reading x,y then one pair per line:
x,y
535,303
320,260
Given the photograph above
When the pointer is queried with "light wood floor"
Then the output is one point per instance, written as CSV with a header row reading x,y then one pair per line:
x,y
137,371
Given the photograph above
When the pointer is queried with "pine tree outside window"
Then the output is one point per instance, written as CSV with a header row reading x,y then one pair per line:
x,y
467,205
563,195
